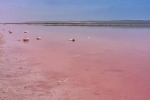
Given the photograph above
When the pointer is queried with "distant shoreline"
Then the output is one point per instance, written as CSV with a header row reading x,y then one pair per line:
x,y
88,23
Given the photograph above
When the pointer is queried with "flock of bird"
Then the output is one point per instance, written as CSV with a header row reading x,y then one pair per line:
x,y
26,39
38,38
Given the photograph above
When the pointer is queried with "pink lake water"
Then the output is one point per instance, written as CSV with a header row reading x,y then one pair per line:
x,y
104,63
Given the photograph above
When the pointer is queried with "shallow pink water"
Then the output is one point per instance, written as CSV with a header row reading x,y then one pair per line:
x,y
113,64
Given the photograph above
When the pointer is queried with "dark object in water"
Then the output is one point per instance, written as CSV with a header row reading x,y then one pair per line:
x,y
25,32
10,32
72,40
26,39
38,38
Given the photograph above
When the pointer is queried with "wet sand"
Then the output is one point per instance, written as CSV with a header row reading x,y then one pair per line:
x,y
103,63
1,42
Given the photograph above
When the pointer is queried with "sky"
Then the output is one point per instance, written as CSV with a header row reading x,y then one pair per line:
x,y
73,10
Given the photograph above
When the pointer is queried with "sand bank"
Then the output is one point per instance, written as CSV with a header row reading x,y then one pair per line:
x,y
0,39
1,42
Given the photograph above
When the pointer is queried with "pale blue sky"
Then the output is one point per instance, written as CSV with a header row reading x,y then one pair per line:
x,y
73,10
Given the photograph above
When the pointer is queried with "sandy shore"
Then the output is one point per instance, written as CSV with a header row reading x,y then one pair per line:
x,y
1,42
54,68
